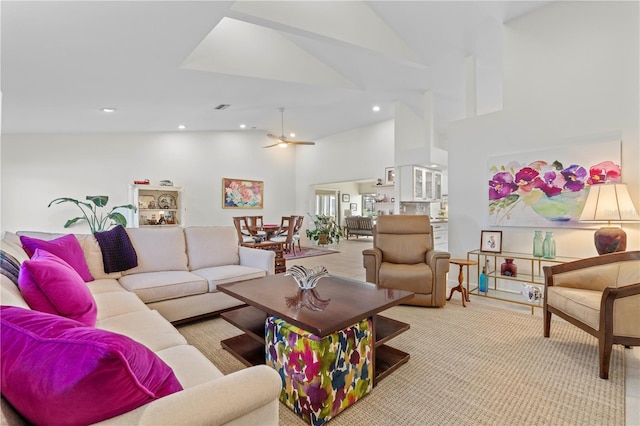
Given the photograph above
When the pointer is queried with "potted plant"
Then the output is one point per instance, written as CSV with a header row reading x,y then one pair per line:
x,y
326,231
98,220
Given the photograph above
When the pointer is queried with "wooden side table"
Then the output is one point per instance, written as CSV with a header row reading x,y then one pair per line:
x,y
460,287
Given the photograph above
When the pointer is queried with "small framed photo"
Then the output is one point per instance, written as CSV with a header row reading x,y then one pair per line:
x,y
354,207
491,241
389,175
346,198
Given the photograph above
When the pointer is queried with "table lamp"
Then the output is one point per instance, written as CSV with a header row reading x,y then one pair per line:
x,y
609,203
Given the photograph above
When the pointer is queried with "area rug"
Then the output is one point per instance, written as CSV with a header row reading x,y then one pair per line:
x,y
478,365
309,252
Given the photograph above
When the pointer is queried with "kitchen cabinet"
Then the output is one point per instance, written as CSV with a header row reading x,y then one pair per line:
x,y
420,184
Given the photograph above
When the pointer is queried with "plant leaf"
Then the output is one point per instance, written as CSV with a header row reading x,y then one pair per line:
x,y
98,200
63,200
74,220
125,206
118,218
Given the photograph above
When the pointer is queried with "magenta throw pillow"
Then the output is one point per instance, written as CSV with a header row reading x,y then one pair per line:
x,y
66,248
49,284
54,370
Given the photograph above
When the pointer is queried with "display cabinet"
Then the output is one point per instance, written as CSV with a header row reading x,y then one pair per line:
x,y
384,198
420,184
156,206
509,287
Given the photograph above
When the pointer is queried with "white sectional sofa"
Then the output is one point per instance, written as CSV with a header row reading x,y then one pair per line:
x,y
178,270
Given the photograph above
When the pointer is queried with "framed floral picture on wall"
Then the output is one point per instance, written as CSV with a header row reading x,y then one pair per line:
x,y
549,188
242,194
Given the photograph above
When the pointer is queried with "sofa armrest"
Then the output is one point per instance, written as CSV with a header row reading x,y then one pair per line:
x,y
257,258
438,261
624,320
371,260
249,396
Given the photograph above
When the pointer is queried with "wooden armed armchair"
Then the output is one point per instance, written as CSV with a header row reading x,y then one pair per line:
x,y
403,258
601,295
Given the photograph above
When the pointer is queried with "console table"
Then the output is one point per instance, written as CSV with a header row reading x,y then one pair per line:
x,y
529,272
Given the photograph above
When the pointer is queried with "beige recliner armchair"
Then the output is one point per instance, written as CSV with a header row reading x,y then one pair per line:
x,y
403,258
601,295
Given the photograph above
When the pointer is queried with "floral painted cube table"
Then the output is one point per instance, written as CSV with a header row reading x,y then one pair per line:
x,y
328,359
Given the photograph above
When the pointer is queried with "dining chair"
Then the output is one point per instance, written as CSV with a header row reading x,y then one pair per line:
x,y
256,225
242,228
296,234
286,236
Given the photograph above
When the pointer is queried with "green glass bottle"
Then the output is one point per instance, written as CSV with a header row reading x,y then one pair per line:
x,y
537,244
549,246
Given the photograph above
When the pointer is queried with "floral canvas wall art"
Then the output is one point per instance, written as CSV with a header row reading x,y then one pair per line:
x,y
549,188
240,193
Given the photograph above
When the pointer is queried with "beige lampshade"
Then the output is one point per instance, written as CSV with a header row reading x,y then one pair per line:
x,y
609,203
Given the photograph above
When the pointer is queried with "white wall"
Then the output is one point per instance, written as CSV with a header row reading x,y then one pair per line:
x,y
357,154
571,77
37,168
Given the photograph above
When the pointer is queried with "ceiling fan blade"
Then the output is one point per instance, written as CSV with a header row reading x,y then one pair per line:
x,y
271,146
301,143
274,137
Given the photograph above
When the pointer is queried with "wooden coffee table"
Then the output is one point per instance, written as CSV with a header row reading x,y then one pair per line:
x,y
351,302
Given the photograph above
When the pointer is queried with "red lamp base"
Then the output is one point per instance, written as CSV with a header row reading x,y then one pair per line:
x,y
610,240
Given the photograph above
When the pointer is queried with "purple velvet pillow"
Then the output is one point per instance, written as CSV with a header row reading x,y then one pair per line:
x,y
118,253
54,370
66,248
50,285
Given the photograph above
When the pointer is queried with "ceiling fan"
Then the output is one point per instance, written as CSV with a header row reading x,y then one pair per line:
x,y
282,139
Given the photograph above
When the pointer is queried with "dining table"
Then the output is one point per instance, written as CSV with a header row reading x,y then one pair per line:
x,y
270,229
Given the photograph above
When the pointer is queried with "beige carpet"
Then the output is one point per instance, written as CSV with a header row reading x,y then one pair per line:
x,y
478,365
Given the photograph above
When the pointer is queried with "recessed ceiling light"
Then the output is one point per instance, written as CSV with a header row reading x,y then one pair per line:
x,y
106,109
292,135
243,126
182,127
434,165
376,108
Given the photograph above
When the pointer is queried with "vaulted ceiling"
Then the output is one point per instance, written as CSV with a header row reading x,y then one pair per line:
x,y
166,63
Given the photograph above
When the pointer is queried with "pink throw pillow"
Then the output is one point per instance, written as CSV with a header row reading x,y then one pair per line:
x,y
54,370
49,284
66,248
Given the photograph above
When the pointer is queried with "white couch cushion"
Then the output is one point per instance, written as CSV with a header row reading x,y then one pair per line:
x,y
229,274
189,365
155,286
11,244
93,256
104,285
10,294
88,243
146,327
211,246
117,303
158,249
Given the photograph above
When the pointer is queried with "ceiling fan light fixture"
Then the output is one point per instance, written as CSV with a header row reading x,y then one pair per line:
x,y
281,140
